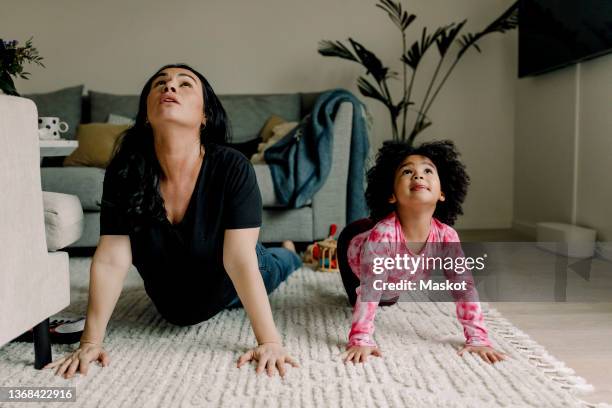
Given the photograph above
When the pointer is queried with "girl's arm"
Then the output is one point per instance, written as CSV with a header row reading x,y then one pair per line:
x,y
366,304
362,325
469,312
467,305
361,343
240,262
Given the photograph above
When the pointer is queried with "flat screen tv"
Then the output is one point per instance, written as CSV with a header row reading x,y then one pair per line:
x,y
556,33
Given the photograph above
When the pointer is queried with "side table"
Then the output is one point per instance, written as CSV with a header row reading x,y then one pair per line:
x,y
49,148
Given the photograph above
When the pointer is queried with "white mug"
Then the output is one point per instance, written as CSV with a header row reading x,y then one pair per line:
x,y
50,127
47,134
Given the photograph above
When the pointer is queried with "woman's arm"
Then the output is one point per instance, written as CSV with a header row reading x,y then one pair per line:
x,y
109,267
240,262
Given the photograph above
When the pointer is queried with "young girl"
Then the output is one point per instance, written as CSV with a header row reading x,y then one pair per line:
x,y
414,194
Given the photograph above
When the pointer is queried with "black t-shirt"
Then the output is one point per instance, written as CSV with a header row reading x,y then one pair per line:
x,y
182,264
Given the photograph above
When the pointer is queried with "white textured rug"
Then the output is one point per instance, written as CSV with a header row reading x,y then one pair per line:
x,y
156,364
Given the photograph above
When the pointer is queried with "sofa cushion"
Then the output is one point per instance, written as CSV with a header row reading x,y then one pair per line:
x,y
268,128
103,104
278,132
97,143
266,187
120,120
63,219
279,224
64,103
84,182
248,113
308,100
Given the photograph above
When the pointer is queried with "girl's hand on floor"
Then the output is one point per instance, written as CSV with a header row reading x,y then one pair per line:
x,y
79,360
359,354
488,354
269,356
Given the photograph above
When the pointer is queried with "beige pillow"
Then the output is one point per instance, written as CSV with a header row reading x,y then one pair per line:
x,y
266,131
96,144
278,132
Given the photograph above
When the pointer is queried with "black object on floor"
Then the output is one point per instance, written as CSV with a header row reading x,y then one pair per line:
x,y
42,344
61,331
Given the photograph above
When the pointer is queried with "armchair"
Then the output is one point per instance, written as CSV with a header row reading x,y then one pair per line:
x,y
34,282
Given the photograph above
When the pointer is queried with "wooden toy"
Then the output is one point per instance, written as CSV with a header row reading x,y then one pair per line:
x,y
322,255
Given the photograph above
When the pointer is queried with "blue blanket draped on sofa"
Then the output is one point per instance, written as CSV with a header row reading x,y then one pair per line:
x,y
301,161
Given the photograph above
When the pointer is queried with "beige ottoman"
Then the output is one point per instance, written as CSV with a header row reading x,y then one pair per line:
x,y
566,239
63,219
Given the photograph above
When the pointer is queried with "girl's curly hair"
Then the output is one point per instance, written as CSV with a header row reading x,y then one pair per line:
x,y
454,180
135,163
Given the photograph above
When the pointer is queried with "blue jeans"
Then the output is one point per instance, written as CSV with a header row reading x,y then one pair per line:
x,y
275,266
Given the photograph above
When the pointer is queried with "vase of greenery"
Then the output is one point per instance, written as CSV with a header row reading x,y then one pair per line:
x,y
443,37
12,59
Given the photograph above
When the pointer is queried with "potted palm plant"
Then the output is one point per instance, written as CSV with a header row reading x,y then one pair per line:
x,y
411,57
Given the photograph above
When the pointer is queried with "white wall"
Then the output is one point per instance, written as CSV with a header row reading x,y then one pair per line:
x,y
270,46
563,147
544,146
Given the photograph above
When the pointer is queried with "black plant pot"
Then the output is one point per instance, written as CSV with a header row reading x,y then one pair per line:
x,y
7,85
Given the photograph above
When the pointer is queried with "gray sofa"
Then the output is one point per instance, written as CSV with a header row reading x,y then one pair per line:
x,y
248,114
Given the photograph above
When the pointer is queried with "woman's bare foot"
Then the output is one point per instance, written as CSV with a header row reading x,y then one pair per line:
x,y
288,244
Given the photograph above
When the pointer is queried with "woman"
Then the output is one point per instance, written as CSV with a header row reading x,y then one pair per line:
x,y
186,211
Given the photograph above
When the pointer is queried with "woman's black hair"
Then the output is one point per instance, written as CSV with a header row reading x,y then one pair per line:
x,y
135,162
454,180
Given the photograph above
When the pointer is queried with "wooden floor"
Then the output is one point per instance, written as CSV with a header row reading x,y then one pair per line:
x,y
579,334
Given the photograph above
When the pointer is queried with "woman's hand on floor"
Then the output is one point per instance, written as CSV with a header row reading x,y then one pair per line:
x,y
79,360
269,357
359,354
488,354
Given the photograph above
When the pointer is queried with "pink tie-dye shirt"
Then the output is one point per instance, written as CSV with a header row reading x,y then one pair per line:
x,y
377,242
